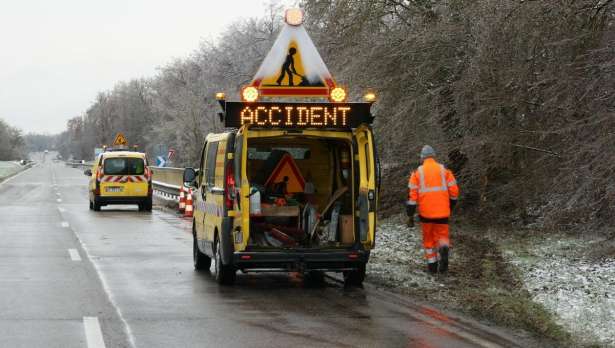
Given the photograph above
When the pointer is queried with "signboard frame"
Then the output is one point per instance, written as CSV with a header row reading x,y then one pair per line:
x,y
310,115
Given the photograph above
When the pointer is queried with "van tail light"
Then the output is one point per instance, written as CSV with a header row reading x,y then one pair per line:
x,y
99,175
229,193
148,178
148,174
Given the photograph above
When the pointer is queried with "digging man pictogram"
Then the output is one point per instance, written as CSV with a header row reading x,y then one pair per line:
x,y
288,68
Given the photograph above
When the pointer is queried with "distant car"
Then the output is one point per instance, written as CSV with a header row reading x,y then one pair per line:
x,y
120,177
46,151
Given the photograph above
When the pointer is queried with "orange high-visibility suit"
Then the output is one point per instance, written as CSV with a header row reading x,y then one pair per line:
x,y
434,189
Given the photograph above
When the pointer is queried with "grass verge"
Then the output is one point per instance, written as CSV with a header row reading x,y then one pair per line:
x,y
480,282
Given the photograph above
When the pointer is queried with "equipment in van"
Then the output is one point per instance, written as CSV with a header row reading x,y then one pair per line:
x,y
255,201
282,170
333,199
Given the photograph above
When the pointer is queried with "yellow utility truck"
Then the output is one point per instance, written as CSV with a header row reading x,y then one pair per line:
x,y
288,187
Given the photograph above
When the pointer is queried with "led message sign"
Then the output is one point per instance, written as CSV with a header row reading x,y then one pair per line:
x,y
297,115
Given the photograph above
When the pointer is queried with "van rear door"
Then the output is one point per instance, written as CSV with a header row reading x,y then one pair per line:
x,y
124,177
367,199
242,183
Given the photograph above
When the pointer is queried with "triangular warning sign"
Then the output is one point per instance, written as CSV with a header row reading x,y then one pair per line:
x,y
120,139
293,67
287,167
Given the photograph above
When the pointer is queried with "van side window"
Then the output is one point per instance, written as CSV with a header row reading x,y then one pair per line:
x,y
210,169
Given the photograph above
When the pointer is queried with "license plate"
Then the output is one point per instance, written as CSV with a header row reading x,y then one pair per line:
x,y
114,189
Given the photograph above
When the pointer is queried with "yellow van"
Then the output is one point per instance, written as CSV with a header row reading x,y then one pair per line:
x,y
120,177
279,192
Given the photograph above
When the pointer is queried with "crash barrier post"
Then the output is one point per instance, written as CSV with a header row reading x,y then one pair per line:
x,y
188,209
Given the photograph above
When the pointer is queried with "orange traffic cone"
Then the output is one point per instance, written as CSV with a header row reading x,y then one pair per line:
x,y
182,200
188,209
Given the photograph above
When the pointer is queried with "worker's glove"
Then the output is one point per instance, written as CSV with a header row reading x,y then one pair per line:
x,y
410,221
410,209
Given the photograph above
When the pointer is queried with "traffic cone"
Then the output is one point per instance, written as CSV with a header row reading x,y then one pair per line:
x,y
188,209
182,200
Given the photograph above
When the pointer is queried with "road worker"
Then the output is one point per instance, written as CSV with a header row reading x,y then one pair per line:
x,y
434,189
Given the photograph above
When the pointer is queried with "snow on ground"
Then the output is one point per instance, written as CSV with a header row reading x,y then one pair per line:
x,y
581,292
397,259
8,168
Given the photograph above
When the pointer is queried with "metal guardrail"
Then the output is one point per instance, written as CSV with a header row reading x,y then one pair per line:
x,y
168,175
79,164
167,182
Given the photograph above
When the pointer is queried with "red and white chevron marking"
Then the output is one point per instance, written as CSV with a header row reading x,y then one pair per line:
x,y
123,178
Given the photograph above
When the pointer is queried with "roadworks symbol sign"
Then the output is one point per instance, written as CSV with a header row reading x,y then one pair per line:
x,y
287,168
120,139
293,67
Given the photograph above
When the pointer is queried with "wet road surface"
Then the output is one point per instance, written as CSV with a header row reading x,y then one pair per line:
x,y
71,277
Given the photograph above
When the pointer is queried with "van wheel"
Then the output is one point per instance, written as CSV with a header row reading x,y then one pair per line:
x,y
202,262
356,277
225,274
147,206
96,205
314,278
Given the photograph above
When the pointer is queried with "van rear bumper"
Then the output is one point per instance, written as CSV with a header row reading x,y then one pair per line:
x,y
122,200
331,261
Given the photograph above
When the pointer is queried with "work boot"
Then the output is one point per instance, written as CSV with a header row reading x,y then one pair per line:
x,y
432,267
443,251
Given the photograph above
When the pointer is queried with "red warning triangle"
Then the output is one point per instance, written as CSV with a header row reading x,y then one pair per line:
x,y
287,167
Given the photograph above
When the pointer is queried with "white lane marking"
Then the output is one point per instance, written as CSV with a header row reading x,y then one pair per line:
x,y
103,281
61,210
59,200
65,224
74,255
93,334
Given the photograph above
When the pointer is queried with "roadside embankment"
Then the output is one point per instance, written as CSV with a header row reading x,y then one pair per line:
x,y
572,277
481,282
8,169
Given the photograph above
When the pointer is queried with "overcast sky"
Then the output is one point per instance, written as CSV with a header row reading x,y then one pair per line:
x,y
55,56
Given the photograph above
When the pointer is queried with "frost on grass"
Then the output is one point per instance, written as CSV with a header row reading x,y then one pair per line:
x,y
8,168
397,260
581,292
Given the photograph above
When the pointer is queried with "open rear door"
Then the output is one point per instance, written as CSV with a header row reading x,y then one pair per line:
x,y
242,183
367,200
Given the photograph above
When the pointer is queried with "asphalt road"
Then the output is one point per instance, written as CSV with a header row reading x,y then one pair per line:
x,y
71,277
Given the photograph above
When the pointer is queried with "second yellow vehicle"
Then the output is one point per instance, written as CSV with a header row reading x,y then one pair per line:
x,y
120,177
